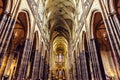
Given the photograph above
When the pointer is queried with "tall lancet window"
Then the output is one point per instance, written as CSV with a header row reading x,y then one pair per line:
x,y
57,58
60,58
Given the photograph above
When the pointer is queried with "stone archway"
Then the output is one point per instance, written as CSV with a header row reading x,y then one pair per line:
x,y
16,47
104,51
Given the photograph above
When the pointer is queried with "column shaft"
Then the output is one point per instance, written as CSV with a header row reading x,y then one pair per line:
x,y
93,54
24,60
114,39
84,69
36,65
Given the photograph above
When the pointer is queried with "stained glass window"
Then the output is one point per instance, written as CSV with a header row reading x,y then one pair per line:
x,y
60,58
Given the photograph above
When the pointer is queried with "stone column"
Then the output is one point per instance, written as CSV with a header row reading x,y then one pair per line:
x,y
76,75
84,69
30,46
3,21
112,17
70,76
24,61
41,68
4,45
97,74
5,36
36,65
74,67
46,68
114,38
10,59
46,71
78,70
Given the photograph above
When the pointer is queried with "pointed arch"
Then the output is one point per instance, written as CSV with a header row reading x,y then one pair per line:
x,y
99,34
91,22
25,16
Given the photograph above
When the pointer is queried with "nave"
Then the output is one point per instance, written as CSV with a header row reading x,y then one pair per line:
x,y
59,39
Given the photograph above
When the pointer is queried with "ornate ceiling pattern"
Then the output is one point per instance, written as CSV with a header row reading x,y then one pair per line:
x,y
60,17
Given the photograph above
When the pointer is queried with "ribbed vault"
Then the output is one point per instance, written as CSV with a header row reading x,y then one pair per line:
x,y
60,15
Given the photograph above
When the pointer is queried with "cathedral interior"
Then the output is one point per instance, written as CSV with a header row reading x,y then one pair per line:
x,y
59,39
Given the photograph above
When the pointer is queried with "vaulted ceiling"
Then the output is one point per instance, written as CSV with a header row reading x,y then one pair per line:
x,y
60,19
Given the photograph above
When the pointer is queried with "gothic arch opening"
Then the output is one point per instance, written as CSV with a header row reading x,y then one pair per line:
x,y
103,47
16,47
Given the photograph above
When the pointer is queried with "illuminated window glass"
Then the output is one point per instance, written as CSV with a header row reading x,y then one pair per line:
x,y
60,58
57,58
